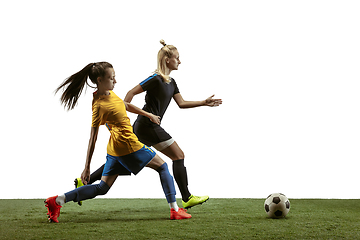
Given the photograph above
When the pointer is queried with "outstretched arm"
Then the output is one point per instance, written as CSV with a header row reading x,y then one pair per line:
x,y
136,90
191,104
134,109
85,176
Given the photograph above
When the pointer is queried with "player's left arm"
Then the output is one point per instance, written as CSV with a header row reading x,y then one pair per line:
x,y
210,101
135,91
134,109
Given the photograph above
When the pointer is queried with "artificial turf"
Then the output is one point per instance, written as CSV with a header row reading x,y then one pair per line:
x,y
149,219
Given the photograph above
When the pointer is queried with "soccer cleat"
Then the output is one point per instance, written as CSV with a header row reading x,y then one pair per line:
x,y
78,183
194,200
177,215
53,209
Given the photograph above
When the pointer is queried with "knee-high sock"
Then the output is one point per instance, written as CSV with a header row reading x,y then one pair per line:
x,y
167,183
180,175
87,192
96,175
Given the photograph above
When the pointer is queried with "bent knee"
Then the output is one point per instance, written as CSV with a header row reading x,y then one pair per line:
x,y
174,152
103,188
155,162
179,155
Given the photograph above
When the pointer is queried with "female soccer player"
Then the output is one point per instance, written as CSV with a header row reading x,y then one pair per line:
x,y
125,153
160,89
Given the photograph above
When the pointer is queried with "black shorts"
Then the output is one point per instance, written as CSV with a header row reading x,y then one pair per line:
x,y
151,134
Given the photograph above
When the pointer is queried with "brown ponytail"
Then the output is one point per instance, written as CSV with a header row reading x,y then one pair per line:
x,y
74,85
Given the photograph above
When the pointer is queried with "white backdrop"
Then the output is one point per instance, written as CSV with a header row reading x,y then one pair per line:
x,y
287,71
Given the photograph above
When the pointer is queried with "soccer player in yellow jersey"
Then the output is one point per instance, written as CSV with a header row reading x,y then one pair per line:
x,y
125,153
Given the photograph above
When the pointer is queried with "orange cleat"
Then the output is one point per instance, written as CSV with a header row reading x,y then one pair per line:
x,y
181,214
53,209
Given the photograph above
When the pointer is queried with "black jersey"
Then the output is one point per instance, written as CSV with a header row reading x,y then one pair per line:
x,y
158,95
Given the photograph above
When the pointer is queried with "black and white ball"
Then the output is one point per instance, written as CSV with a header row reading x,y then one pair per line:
x,y
277,205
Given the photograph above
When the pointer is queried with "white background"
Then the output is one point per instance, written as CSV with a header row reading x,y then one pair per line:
x,y
287,71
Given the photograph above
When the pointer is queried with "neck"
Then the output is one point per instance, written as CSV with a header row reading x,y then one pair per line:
x,y
103,92
167,71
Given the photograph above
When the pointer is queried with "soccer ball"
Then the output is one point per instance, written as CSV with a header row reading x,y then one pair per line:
x,y
277,205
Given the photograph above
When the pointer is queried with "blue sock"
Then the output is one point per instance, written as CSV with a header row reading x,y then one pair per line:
x,y
167,183
87,192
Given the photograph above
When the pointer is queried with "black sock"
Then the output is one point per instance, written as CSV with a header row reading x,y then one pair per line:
x,y
96,175
180,175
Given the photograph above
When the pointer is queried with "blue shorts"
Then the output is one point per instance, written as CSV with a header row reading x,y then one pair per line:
x,y
131,163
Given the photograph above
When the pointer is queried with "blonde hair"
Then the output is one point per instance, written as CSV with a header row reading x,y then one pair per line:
x,y
164,53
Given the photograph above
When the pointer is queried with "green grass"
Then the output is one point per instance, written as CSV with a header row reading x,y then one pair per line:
x,y
149,219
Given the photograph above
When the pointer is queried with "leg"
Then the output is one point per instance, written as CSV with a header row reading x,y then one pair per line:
x,y
156,162
96,175
93,178
109,180
174,152
90,191
54,204
179,170
167,183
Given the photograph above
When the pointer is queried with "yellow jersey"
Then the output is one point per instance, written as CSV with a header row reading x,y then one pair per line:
x,y
111,110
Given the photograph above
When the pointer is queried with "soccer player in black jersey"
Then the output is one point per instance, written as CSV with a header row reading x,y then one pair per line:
x,y
160,88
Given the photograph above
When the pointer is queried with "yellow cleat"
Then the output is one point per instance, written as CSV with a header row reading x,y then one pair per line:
x,y
78,183
194,200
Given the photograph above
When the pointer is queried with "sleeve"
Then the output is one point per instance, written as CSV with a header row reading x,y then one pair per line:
x,y
149,83
96,116
176,89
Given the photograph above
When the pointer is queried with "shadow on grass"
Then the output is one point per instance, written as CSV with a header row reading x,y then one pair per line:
x,y
113,216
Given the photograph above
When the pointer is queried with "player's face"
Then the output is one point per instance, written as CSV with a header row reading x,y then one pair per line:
x,y
173,62
108,81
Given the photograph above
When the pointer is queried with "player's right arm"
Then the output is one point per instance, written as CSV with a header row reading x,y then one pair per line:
x,y
85,176
136,90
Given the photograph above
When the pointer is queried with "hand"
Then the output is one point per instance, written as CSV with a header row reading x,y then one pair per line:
x,y
85,176
212,102
154,118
